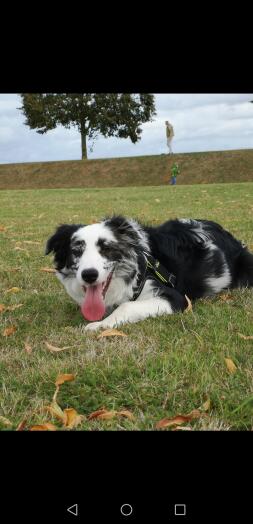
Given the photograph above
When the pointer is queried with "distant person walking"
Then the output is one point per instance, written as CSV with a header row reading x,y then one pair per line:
x,y
174,172
169,135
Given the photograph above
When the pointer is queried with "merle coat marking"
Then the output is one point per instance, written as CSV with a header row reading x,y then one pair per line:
x,y
203,256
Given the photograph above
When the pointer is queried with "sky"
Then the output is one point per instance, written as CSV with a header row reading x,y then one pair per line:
x,y
202,122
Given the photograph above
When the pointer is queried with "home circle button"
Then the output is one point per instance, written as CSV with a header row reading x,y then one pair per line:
x,y
126,510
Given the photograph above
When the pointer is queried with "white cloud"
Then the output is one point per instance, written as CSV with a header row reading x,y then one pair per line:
x,y
202,122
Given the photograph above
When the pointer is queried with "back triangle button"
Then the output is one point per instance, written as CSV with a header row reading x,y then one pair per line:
x,y
73,509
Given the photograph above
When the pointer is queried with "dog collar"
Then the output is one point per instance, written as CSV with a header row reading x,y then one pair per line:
x,y
153,268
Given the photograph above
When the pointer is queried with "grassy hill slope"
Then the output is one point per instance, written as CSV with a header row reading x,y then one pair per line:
x,y
196,168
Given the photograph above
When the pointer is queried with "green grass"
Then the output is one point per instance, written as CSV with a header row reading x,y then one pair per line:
x,y
153,170
165,366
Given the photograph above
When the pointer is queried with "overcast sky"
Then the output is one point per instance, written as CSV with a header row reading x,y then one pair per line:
x,y
202,122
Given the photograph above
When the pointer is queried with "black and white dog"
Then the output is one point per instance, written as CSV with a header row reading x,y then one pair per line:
x,y
130,271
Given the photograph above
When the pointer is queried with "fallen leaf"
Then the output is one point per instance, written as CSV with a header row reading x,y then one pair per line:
x,y
44,427
21,425
64,378
2,308
225,297
206,405
31,242
182,428
9,331
102,414
28,348
55,410
172,421
195,413
112,333
48,269
13,290
230,365
179,419
189,307
72,419
15,306
18,248
2,228
54,348
245,337
126,413
5,422
56,393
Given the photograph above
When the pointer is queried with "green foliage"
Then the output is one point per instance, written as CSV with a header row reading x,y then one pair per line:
x,y
111,114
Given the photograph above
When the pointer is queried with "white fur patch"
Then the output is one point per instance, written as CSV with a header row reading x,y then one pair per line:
x,y
218,283
130,312
185,220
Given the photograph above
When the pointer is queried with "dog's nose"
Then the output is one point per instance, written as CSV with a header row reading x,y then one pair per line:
x,y
90,275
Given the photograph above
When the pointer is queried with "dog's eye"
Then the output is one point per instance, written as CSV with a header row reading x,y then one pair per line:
x,y
78,248
105,247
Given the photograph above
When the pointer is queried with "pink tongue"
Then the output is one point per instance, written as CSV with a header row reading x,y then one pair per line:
x,y
93,306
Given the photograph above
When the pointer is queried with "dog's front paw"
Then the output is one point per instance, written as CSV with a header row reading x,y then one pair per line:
x,y
93,326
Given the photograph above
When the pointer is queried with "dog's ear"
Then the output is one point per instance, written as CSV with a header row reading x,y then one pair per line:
x,y
59,242
128,231
123,228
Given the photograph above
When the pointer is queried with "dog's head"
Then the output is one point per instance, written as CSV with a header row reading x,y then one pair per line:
x,y
94,255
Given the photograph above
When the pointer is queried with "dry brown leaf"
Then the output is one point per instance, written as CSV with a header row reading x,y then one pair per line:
x,y
72,419
54,348
5,422
225,297
18,248
245,337
31,242
48,269
126,413
182,428
56,393
9,331
179,419
13,290
172,421
195,413
15,306
112,333
189,307
65,377
21,425
55,410
206,405
2,308
102,414
2,228
28,348
47,426
230,365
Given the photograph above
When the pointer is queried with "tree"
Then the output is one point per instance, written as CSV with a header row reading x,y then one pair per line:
x,y
111,114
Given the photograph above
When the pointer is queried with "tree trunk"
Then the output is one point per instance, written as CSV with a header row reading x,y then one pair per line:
x,y
83,143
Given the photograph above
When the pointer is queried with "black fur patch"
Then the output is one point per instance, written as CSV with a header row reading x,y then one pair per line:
x,y
124,232
110,250
60,245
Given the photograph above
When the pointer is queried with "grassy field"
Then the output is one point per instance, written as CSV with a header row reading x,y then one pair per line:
x,y
165,366
196,168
